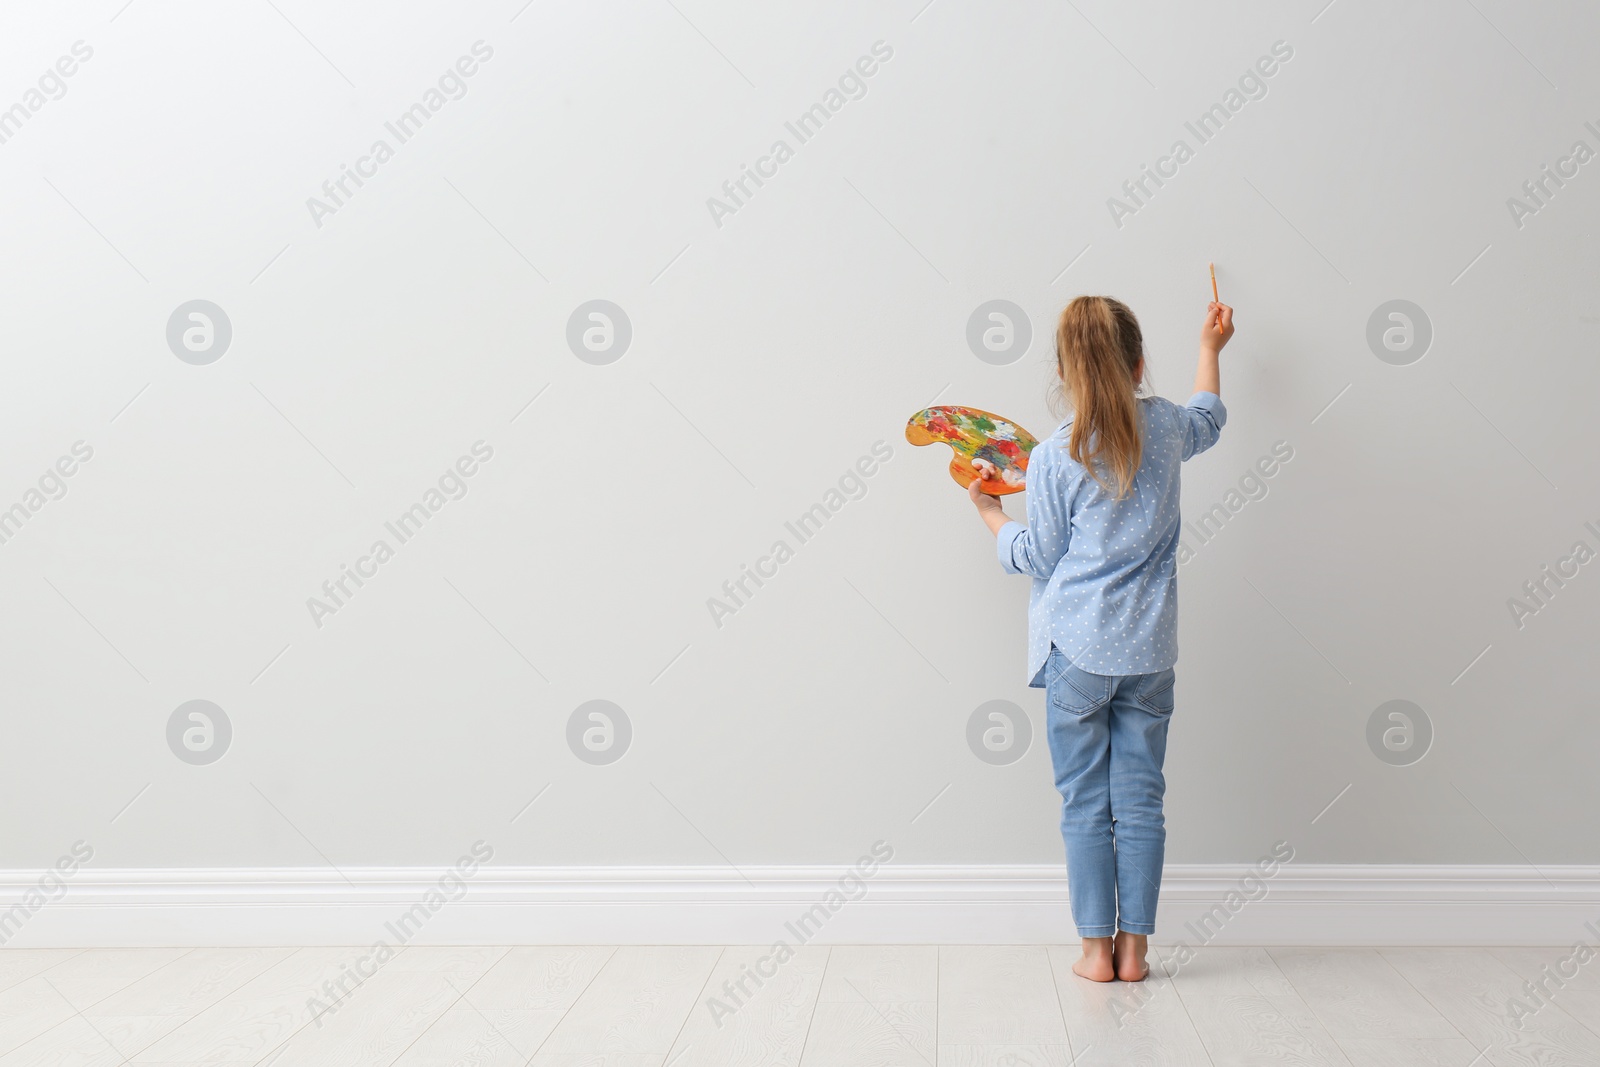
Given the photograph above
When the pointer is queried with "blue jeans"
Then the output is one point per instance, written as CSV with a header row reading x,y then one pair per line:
x,y
1108,740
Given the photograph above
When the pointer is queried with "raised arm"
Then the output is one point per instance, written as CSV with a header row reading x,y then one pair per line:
x,y
1205,414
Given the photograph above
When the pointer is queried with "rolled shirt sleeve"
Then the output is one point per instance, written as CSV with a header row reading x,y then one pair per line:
x,y
1203,417
1004,544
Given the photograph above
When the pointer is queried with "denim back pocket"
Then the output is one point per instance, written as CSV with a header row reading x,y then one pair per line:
x,y
1155,691
1076,691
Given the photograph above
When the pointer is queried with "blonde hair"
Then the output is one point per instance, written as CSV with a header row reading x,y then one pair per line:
x,y
1100,356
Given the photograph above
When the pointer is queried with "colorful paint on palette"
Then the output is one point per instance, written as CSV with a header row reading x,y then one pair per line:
x,y
975,434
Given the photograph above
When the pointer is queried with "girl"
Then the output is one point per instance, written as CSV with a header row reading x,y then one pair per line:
x,y
1101,546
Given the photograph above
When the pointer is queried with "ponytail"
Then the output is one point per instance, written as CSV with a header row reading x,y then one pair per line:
x,y
1099,352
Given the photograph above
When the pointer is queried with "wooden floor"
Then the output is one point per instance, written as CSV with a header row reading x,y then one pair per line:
x,y
825,1007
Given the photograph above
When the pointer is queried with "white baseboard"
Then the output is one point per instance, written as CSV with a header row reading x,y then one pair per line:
x,y
1303,904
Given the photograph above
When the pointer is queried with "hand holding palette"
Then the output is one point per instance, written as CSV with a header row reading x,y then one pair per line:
x,y
974,434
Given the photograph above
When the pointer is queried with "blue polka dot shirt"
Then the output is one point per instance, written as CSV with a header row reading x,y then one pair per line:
x,y
1105,571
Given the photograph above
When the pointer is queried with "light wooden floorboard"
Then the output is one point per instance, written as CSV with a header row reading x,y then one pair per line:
x,y
865,1034
636,1004
17,964
1415,1052
752,1026
53,996
382,1017
992,995
88,977
138,1015
511,1011
1223,972
1357,994
1560,976
1005,1056
1125,1024
842,1006
77,1043
1254,1031
190,983
254,1019
482,1037
877,1005
882,974
1477,992
539,979
29,1010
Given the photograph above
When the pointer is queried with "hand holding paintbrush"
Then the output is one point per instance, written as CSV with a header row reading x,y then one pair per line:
x,y
1216,332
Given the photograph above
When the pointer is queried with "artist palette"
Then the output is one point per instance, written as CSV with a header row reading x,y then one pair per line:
x,y
975,434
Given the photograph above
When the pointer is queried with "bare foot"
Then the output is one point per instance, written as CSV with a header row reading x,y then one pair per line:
x,y
1096,963
1129,953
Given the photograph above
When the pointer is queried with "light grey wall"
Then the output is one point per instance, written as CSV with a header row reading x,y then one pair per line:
x,y
375,345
